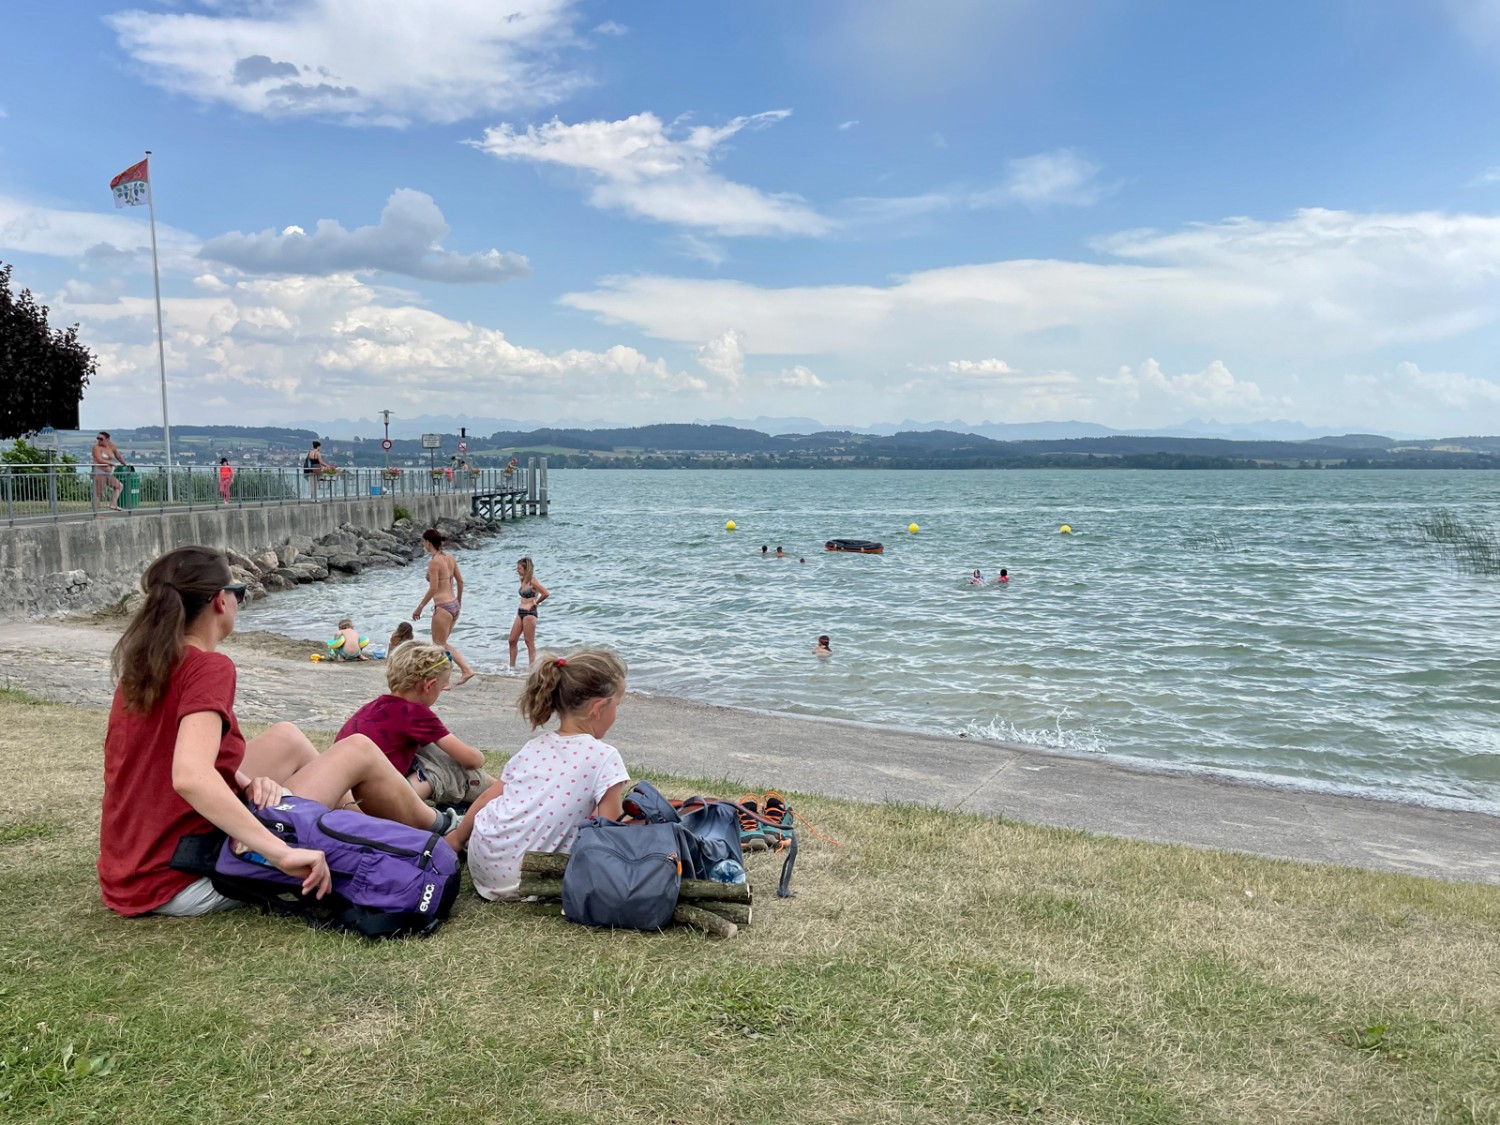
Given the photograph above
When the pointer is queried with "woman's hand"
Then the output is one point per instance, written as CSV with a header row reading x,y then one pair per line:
x,y
311,866
416,614
263,792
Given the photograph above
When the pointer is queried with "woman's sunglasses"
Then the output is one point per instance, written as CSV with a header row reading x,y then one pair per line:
x,y
238,590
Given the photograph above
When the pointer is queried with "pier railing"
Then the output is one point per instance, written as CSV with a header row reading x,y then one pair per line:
x,y
58,491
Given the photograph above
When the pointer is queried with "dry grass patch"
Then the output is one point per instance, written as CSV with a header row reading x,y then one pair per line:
x,y
937,968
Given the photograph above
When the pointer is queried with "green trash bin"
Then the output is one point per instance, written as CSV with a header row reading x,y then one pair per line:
x,y
130,495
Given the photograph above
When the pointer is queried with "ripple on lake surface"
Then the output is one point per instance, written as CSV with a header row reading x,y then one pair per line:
x,y
1276,625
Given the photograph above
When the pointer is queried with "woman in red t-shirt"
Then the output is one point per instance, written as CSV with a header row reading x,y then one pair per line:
x,y
175,763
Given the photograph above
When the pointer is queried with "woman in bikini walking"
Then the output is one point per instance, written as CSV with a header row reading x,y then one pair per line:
x,y
445,590
532,594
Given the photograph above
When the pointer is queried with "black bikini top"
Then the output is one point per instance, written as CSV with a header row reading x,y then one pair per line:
x,y
527,592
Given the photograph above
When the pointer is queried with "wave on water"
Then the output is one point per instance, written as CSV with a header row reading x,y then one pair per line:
x,y
1073,740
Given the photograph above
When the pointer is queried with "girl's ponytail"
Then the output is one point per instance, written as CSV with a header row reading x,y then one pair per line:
x,y
563,685
179,586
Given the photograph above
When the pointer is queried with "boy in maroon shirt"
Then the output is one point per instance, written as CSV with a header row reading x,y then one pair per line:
x,y
404,726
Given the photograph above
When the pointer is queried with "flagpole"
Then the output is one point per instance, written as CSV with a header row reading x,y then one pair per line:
x,y
161,348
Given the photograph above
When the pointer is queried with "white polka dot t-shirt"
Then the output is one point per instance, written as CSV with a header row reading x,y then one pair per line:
x,y
551,787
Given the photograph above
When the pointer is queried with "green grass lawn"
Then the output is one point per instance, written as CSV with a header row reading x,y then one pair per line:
x,y
936,968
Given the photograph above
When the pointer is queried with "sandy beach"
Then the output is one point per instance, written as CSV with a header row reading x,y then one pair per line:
x,y
68,662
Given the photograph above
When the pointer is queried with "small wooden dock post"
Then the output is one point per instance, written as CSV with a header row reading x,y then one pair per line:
x,y
542,488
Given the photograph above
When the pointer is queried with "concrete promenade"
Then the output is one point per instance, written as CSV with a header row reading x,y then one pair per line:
x,y
68,662
72,567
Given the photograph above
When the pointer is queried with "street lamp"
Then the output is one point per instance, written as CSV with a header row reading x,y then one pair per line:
x,y
385,443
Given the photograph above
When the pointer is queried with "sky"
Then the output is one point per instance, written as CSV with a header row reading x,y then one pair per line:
x,y
1129,212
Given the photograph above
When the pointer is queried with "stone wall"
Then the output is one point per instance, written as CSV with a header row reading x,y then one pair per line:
x,y
49,569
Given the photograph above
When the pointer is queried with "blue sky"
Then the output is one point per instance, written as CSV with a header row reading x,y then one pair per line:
x,y
1132,213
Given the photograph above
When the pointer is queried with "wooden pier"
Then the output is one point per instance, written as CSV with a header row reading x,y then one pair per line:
x,y
527,496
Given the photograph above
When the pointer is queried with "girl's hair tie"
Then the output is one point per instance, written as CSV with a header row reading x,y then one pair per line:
x,y
562,661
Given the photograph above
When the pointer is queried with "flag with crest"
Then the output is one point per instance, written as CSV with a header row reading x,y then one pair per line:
x,y
131,187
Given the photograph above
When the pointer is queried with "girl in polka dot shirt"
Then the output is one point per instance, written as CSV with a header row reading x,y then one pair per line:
x,y
558,780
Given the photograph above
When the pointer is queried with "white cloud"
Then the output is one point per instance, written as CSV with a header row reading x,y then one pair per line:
x,y
269,347
610,27
1058,178
652,171
78,292
1440,403
845,126
1489,176
1213,390
406,241
978,367
798,377
385,62
102,237
723,357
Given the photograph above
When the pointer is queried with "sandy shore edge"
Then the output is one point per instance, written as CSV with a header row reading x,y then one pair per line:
x,y
68,662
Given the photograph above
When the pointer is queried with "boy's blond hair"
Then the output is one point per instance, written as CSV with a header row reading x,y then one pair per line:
x,y
346,623
412,663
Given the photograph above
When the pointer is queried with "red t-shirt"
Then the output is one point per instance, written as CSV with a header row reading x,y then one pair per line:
x,y
398,726
143,815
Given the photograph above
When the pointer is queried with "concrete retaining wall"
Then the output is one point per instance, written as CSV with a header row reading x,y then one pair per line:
x,y
56,568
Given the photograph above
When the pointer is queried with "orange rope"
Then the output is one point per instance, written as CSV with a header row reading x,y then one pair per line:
x,y
814,831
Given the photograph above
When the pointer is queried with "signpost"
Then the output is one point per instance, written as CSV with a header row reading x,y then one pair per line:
x,y
386,445
432,443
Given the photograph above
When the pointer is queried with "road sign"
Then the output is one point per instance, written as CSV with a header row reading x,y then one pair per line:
x,y
386,445
432,441
463,447
47,437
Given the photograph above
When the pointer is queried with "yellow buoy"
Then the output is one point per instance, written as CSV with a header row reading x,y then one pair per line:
x,y
728,525
1065,529
913,528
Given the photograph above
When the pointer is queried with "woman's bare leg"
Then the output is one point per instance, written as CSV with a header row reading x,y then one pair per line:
x,y
279,752
442,626
355,763
515,637
529,626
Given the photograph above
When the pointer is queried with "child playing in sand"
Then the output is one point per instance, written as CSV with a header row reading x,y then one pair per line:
x,y
349,649
404,726
402,634
558,779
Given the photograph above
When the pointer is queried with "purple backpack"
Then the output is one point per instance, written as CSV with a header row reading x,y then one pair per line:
x,y
388,880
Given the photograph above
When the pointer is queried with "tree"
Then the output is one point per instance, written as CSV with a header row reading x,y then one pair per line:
x,y
23,457
43,370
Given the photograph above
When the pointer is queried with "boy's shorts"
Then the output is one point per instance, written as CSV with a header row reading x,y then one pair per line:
x,y
451,783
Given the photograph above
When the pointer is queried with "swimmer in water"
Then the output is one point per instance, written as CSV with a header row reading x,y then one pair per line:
x,y
822,648
976,579
780,554
1004,577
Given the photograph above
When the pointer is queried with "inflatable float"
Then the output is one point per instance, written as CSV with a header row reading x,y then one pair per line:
x,y
855,546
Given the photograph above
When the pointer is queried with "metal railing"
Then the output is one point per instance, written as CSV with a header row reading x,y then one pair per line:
x,y
57,491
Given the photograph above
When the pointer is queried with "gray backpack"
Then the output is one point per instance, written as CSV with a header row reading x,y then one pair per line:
x,y
625,876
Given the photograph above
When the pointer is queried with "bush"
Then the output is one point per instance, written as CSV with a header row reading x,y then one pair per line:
x,y
401,514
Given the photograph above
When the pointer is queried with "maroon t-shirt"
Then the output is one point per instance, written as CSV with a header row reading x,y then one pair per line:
x,y
398,726
143,815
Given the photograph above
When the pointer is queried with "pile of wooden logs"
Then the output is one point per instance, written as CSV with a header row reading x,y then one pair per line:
x,y
718,909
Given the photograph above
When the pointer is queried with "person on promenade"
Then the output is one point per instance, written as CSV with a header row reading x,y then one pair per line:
x,y
405,727
226,474
104,479
312,466
176,764
532,594
822,647
350,648
445,590
558,779
402,634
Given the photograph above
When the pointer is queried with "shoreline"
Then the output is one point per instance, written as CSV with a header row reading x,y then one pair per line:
x,y
734,747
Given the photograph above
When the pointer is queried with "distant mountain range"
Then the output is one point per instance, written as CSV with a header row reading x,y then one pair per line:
x,y
345,428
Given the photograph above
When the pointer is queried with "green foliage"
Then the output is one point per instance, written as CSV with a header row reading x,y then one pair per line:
x,y
26,830
400,513
44,369
1474,547
23,457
